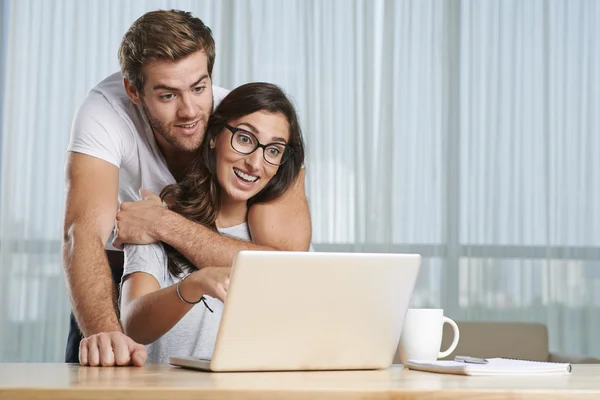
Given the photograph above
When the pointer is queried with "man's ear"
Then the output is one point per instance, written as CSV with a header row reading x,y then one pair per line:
x,y
131,91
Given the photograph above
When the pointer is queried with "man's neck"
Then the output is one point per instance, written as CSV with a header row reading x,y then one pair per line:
x,y
177,161
178,164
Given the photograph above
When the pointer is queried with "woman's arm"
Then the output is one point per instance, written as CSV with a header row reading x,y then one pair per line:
x,y
148,312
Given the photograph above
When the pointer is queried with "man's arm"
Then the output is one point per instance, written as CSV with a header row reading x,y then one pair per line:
x,y
202,246
90,208
282,224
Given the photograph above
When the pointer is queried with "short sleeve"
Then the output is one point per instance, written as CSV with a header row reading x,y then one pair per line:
x,y
99,131
148,258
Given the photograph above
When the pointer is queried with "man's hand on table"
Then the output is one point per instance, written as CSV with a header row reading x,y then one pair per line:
x,y
109,349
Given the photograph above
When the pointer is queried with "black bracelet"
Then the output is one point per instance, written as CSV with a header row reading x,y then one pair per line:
x,y
202,299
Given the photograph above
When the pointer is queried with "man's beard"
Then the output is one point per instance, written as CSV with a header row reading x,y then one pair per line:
x,y
165,131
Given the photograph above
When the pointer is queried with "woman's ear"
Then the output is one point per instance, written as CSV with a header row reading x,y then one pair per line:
x,y
211,144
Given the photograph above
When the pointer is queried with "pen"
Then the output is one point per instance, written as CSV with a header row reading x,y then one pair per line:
x,y
470,360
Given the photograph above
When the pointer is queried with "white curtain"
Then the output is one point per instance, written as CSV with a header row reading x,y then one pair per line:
x,y
529,173
463,130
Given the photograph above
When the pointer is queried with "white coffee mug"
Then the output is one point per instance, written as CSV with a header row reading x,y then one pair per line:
x,y
421,337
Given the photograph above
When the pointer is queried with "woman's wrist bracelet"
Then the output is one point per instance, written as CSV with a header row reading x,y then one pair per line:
x,y
202,299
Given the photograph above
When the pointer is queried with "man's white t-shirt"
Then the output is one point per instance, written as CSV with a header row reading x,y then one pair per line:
x,y
109,126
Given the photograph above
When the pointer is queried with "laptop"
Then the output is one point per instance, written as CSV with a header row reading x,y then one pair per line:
x,y
294,311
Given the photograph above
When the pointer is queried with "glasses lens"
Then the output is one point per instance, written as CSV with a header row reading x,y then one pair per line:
x,y
244,142
275,153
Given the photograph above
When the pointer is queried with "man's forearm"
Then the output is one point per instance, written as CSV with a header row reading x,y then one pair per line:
x,y
199,244
90,283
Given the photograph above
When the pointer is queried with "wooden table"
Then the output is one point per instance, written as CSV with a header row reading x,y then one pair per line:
x,y
64,381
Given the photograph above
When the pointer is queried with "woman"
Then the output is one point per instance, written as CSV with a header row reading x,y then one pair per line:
x,y
252,152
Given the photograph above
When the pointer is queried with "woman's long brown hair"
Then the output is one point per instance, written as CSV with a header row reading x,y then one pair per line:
x,y
198,196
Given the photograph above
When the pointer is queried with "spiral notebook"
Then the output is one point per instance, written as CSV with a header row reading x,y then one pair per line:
x,y
493,367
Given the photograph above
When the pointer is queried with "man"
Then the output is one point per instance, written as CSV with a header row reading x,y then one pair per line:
x,y
139,130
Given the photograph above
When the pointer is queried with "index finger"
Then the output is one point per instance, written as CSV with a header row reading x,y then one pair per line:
x,y
221,293
139,355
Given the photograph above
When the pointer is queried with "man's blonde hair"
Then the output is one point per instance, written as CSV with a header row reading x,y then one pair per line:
x,y
163,35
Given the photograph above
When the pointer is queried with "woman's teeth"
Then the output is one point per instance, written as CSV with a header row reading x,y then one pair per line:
x,y
244,176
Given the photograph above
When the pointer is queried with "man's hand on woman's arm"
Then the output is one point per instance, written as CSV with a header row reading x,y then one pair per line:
x,y
282,224
90,208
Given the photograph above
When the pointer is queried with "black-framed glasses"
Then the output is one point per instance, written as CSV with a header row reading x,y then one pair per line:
x,y
245,142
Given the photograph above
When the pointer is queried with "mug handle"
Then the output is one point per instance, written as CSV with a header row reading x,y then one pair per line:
x,y
454,341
